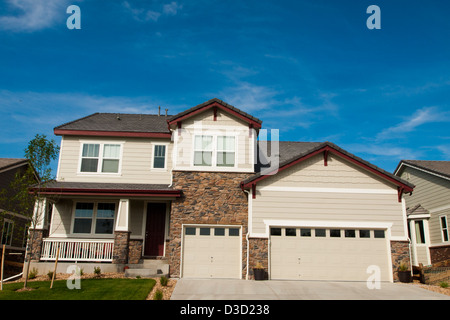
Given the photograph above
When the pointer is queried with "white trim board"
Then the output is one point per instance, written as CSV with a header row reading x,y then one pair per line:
x,y
329,190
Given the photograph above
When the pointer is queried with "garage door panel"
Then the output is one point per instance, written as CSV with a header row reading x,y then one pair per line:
x,y
211,255
327,258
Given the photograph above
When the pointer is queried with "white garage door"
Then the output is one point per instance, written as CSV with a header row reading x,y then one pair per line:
x,y
328,254
211,252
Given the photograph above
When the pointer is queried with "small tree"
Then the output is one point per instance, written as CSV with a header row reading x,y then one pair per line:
x,y
40,152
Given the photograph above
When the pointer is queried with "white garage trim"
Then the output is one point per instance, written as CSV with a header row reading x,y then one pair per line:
x,y
240,237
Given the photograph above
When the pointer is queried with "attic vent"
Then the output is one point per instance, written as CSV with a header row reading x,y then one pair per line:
x,y
118,117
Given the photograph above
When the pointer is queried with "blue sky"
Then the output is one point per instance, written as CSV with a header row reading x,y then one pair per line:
x,y
311,69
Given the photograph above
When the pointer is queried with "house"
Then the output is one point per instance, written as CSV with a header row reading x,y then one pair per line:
x,y
199,194
14,216
428,209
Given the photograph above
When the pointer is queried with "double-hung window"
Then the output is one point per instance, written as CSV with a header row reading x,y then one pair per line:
x,y
219,151
203,150
100,158
8,227
444,228
159,157
94,218
225,151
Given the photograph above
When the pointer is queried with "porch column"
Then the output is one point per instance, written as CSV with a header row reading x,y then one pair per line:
x,y
122,233
36,231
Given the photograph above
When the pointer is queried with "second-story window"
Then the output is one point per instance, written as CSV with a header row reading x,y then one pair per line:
x,y
98,157
203,150
225,151
159,157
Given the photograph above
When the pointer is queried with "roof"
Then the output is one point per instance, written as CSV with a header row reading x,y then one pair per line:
x,y
10,162
292,153
122,123
437,167
119,189
417,210
215,103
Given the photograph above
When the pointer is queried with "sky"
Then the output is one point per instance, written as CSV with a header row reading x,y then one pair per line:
x,y
311,69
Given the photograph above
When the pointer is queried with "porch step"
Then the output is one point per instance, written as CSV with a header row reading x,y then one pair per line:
x,y
148,268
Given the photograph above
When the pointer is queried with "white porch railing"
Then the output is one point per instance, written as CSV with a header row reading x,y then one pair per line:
x,y
78,250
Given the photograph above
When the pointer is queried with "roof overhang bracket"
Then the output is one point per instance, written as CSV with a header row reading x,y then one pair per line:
x,y
325,157
254,191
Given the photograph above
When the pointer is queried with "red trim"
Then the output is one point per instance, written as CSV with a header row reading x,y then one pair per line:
x,y
254,191
215,113
62,132
325,158
112,192
217,105
404,188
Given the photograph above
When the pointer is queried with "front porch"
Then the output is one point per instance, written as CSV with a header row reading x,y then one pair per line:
x,y
101,227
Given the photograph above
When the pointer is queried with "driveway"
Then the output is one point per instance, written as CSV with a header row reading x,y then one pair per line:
x,y
206,289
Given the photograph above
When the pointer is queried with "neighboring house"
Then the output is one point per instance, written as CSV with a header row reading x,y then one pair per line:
x,y
191,190
428,209
13,222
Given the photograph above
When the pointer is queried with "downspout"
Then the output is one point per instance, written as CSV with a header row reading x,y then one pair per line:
x,y
246,238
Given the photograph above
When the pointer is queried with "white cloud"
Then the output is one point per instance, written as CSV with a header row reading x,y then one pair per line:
x,y
144,15
172,8
420,117
34,15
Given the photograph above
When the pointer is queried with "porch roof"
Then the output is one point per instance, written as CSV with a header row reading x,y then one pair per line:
x,y
108,189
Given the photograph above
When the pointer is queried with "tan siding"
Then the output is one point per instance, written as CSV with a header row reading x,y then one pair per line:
x,y
61,218
135,166
432,193
204,123
376,200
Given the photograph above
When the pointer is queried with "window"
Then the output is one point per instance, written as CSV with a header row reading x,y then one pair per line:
x,y
97,157
379,234
364,233
444,228
203,146
99,215
7,232
159,157
219,231
305,232
335,233
275,232
350,233
218,151
420,234
233,232
291,232
190,232
320,233
225,151
205,231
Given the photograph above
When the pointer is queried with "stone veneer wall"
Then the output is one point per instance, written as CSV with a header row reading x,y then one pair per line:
x,y
400,254
208,198
258,254
121,242
438,254
36,239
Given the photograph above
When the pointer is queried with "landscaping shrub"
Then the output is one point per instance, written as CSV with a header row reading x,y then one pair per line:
x,y
163,281
158,295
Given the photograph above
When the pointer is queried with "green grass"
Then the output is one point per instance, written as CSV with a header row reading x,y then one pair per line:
x,y
91,289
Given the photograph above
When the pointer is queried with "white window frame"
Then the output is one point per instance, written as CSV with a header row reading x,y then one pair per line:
x,y
10,223
100,157
154,145
444,229
214,151
94,219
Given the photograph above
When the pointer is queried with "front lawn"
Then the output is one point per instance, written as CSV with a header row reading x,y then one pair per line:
x,y
91,289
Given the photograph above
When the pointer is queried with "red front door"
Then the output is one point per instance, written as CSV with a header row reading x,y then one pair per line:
x,y
155,229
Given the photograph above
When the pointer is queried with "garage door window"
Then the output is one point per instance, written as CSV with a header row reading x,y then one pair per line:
x,y
364,233
291,232
234,232
320,233
219,231
378,234
335,233
305,232
205,231
350,233
275,232
190,232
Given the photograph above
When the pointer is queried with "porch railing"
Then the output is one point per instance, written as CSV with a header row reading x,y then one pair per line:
x,y
77,250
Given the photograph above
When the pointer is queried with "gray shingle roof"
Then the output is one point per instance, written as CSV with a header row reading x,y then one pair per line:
x,y
438,167
210,102
119,122
9,162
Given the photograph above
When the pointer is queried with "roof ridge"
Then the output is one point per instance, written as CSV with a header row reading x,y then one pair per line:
x,y
73,121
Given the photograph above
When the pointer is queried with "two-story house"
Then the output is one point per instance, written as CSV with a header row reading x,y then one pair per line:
x,y
428,209
195,191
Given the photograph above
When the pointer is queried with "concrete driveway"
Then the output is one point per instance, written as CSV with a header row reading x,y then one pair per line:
x,y
206,289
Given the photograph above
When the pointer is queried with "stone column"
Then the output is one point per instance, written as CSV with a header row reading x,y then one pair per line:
x,y
121,242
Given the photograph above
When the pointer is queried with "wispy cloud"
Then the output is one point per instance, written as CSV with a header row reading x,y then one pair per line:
x,y
420,117
33,15
144,15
